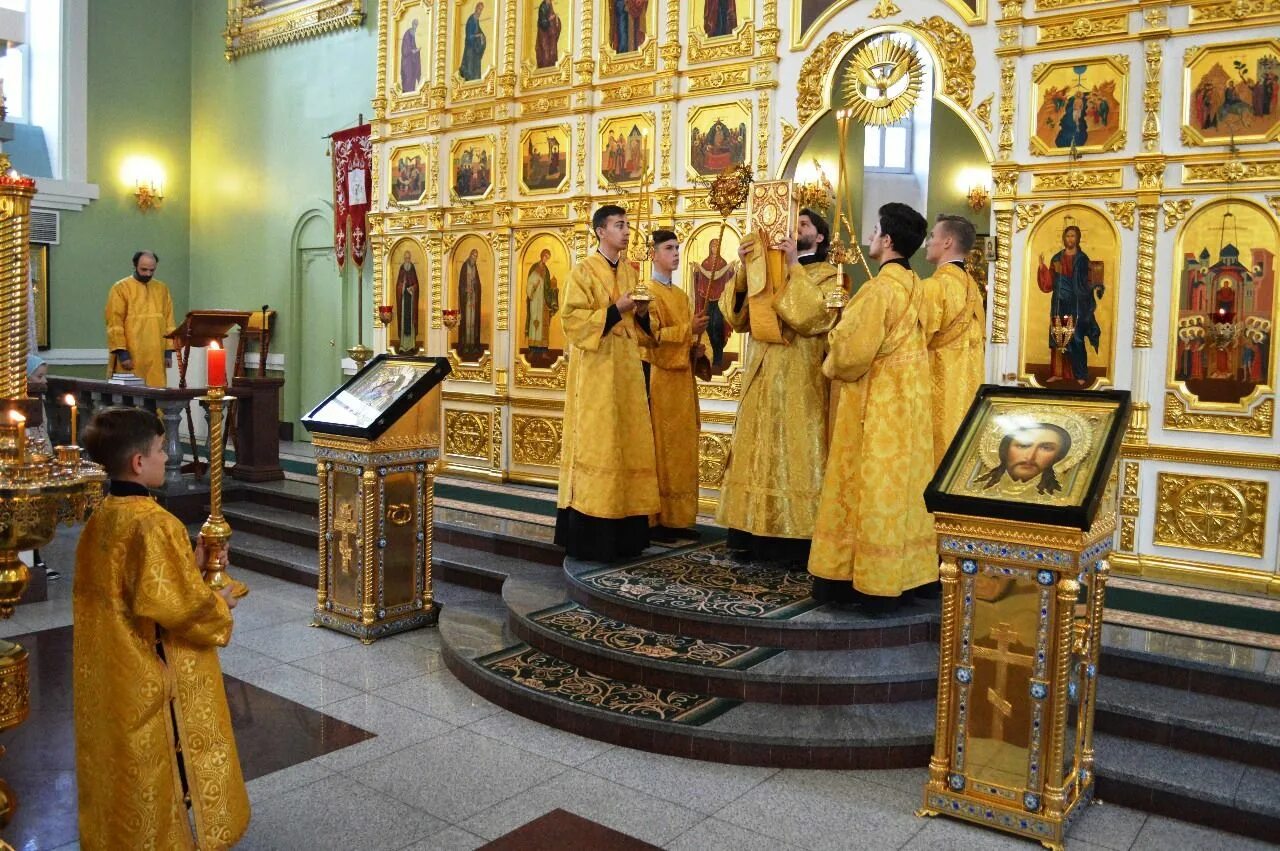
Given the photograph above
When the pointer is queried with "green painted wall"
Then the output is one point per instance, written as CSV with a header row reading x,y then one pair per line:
x,y
258,164
139,68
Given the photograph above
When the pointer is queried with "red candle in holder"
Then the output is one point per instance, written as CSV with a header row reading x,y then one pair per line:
x,y
385,312
217,366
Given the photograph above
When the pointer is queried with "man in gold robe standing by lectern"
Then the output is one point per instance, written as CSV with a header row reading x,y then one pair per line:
x,y
608,483
874,538
955,328
139,314
769,494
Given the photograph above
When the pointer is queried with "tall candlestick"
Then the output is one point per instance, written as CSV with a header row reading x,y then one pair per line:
x,y
70,399
217,366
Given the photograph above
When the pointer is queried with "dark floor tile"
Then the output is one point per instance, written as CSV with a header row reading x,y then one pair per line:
x,y
559,829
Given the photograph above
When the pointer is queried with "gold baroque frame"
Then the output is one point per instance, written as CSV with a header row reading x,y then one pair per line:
x,y
461,90
703,48
644,58
533,78
801,38
391,175
259,24
1193,57
1119,65
566,154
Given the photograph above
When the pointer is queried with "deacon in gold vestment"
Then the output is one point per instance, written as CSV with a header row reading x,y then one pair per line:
x,y
673,396
873,530
608,484
139,313
954,328
769,494
151,715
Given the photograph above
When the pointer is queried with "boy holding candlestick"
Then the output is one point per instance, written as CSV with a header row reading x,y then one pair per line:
x,y
155,718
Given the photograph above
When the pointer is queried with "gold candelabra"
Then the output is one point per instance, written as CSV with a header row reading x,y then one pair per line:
x,y
1064,328
844,239
37,490
215,534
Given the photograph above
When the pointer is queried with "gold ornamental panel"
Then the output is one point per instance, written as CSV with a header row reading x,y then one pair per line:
x,y
468,434
1230,14
256,25
1090,28
1211,513
1179,416
536,440
713,457
1075,180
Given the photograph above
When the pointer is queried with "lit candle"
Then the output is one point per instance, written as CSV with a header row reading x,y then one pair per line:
x,y
70,399
217,366
21,422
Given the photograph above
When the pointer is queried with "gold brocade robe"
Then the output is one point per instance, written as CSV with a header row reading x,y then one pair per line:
x,y
773,476
673,404
872,526
138,317
136,583
954,329
606,455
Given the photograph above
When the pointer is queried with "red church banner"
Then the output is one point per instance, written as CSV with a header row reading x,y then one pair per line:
x,y
352,186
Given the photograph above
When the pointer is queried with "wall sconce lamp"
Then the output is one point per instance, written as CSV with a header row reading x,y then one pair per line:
x,y
976,184
978,198
146,177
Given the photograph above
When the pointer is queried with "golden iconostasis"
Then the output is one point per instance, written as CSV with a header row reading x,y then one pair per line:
x,y
1116,159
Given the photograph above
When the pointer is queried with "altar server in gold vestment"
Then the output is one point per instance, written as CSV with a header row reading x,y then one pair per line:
x,y
139,314
955,328
769,494
673,396
608,483
151,718
874,538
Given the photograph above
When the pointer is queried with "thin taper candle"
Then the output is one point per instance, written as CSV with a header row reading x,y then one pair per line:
x,y
70,399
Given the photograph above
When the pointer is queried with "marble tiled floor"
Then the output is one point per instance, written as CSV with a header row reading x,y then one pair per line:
x,y
449,770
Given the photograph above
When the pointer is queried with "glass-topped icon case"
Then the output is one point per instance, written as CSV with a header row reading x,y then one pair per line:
x,y
1032,455
375,397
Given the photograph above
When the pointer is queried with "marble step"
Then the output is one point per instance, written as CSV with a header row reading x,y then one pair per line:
x,y
889,735
825,627
287,510
1213,791
806,677
1188,721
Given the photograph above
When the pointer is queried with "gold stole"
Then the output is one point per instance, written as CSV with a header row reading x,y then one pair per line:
x,y
766,281
960,324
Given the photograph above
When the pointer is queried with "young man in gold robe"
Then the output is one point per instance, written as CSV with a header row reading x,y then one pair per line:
x,y
139,314
608,483
673,396
769,494
151,717
955,328
874,538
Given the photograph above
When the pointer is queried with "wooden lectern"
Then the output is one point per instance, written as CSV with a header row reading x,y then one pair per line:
x,y
199,329
377,444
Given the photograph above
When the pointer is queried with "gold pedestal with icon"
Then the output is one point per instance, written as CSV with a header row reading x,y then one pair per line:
x,y
377,444
1025,514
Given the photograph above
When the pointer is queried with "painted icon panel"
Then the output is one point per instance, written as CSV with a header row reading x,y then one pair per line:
x,y
407,276
1080,105
411,48
409,175
626,149
544,159
471,168
543,269
1231,93
469,291
718,139
474,30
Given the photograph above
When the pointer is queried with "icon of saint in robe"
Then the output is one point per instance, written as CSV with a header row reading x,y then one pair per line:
x,y
410,60
542,300
470,346
720,17
1068,278
407,304
473,45
546,47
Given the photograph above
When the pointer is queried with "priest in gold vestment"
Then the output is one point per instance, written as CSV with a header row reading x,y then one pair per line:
x,y
874,538
773,478
955,328
608,482
673,395
139,313
151,717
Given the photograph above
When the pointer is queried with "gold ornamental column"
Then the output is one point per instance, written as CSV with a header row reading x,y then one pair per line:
x,y
37,490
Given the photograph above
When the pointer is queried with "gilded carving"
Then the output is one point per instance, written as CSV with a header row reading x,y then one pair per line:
x,y
1175,211
258,25
481,371
1150,172
467,433
1007,106
536,440
982,112
762,138
1000,298
1274,201
1257,423
813,73
1026,214
1006,181
1232,11
1210,513
495,443
1128,532
1084,28
1074,180
546,379
627,92
710,50
1122,212
956,51
713,456
885,9
1151,98
728,390
1232,171
789,132
1144,296
718,80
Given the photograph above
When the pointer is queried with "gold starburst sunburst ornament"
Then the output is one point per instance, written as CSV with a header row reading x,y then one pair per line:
x,y
883,82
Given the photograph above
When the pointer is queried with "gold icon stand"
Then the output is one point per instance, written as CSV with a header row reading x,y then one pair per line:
x,y
1017,672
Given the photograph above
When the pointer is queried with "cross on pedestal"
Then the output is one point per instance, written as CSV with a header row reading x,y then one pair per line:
x,y
345,525
1005,636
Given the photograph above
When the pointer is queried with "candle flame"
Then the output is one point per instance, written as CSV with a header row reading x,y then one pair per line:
x,y
70,399
16,418
214,345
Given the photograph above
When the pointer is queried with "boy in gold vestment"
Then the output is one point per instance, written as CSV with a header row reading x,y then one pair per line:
x,y
954,329
151,716
773,478
673,396
608,485
874,538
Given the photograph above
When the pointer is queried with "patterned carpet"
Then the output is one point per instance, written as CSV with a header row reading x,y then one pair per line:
x,y
536,670
707,581
583,624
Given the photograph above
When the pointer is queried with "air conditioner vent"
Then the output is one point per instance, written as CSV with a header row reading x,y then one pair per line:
x,y
44,226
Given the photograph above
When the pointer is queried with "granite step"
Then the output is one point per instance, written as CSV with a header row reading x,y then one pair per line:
x,y
734,671
1220,793
889,735
822,627
269,521
1188,721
